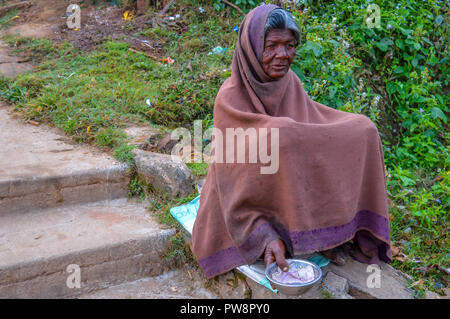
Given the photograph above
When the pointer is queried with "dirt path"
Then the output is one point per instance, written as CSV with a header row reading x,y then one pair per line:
x,y
98,22
11,65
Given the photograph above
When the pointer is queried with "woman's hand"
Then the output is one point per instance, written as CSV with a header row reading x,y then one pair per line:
x,y
275,251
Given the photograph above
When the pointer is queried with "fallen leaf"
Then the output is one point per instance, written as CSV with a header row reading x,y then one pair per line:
x,y
33,123
446,270
391,202
127,15
135,51
395,251
417,283
400,258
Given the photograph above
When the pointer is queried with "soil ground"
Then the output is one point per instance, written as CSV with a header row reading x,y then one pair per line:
x,y
98,22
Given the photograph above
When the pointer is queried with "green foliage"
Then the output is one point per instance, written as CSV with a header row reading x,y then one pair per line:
x,y
419,228
6,19
244,4
324,65
199,169
178,252
123,153
35,48
136,188
109,137
326,294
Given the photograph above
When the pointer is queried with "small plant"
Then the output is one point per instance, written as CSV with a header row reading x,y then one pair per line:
x,y
123,153
326,294
136,188
178,252
109,137
198,169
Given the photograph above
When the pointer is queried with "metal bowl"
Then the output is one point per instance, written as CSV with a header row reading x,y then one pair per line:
x,y
294,289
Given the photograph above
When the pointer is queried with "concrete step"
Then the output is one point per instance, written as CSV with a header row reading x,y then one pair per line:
x,y
76,186
174,284
39,168
189,282
106,243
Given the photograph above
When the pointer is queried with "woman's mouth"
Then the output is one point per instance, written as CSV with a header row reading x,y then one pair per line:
x,y
279,67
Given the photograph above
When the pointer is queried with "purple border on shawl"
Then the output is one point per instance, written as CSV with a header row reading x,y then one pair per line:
x,y
301,241
231,257
329,236
257,23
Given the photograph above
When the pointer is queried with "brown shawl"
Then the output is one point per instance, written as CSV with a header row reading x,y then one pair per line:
x,y
330,184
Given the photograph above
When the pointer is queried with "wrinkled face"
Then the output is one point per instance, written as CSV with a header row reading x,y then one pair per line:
x,y
279,52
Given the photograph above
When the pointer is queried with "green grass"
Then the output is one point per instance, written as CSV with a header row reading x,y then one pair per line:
x,y
6,19
420,229
326,294
199,169
178,252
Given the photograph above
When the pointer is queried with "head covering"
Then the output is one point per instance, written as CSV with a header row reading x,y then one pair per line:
x,y
329,183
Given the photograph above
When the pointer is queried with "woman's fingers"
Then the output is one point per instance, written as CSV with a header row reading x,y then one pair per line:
x,y
275,251
280,259
269,257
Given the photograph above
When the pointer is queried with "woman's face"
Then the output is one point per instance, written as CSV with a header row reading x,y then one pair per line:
x,y
279,52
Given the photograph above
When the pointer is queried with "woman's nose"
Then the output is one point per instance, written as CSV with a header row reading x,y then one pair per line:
x,y
281,52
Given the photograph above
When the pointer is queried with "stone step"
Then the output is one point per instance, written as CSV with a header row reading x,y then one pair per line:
x,y
370,281
80,186
106,243
174,284
189,282
39,168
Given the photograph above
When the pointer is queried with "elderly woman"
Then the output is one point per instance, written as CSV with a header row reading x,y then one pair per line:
x,y
329,188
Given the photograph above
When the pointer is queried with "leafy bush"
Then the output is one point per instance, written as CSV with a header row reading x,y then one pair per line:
x,y
245,4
